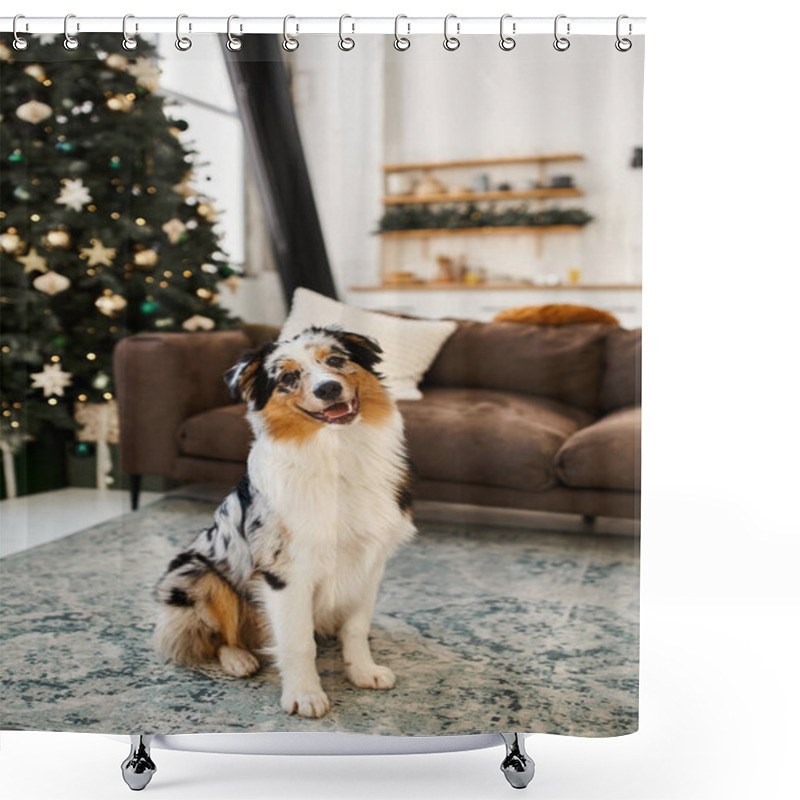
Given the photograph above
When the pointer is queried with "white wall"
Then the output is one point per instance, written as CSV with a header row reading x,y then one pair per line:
x,y
358,110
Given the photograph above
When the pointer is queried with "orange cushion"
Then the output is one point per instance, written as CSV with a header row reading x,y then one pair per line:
x,y
556,314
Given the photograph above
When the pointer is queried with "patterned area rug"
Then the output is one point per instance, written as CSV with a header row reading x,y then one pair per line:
x,y
488,630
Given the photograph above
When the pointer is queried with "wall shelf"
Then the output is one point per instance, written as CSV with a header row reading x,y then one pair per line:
x,y
480,197
426,233
482,162
511,285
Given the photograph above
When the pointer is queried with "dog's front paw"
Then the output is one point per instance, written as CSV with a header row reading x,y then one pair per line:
x,y
237,662
371,676
313,704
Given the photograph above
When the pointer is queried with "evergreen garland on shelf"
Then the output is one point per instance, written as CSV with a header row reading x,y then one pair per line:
x,y
101,233
470,215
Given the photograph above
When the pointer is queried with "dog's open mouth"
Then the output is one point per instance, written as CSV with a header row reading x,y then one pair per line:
x,y
338,413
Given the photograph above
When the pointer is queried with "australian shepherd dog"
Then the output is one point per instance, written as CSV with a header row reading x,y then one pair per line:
x,y
300,546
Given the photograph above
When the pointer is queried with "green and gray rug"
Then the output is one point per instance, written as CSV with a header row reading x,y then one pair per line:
x,y
488,630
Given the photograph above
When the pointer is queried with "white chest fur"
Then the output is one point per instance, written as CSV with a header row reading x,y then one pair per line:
x,y
336,494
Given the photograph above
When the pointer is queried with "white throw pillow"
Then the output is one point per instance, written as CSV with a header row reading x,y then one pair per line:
x,y
409,345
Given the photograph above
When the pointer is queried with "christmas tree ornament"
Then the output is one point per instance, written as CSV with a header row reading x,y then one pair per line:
x,y
207,211
101,381
16,157
110,304
83,450
233,283
198,323
46,38
6,53
51,283
146,73
117,62
34,112
57,238
146,259
99,424
33,262
65,147
52,380
10,241
210,268
98,254
36,71
149,307
115,162
74,194
21,193
174,230
120,102
183,187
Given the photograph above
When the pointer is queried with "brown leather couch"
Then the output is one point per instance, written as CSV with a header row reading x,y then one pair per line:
x,y
513,415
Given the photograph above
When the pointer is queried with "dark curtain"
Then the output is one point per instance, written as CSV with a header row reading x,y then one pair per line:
x,y
261,85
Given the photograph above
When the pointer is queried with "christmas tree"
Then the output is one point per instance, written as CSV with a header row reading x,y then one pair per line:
x,y
101,232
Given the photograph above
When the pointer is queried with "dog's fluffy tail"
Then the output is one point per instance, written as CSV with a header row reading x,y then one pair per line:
x,y
199,612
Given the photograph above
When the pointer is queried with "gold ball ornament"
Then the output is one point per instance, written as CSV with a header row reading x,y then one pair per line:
x,y
117,62
57,238
51,283
146,259
120,102
207,211
34,112
36,71
10,242
110,304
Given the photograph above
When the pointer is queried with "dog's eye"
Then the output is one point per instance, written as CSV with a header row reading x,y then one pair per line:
x,y
335,361
289,378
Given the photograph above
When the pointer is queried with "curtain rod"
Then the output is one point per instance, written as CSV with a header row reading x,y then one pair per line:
x,y
299,25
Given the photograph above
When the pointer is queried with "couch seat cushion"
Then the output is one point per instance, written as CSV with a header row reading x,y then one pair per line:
x,y
222,433
605,455
488,437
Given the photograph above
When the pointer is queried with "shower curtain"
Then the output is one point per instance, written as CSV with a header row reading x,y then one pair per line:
x,y
474,210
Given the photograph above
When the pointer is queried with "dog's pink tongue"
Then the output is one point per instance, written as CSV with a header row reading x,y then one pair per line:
x,y
337,410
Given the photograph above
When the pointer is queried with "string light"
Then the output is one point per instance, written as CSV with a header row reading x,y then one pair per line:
x,y
91,356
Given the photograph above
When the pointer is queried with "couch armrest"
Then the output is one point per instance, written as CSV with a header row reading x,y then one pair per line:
x,y
162,379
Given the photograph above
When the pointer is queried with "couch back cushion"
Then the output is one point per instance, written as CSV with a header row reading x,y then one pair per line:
x,y
622,375
562,363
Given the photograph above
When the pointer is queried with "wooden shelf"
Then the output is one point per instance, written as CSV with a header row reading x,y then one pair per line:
x,y
427,233
513,285
482,162
480,197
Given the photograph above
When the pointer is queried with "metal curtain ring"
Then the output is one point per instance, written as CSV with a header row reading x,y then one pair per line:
x,y
401,43
182,42
233,44
290,43
346,42
70,42
507,42
561,43
623,45
19,43
128,42
451,43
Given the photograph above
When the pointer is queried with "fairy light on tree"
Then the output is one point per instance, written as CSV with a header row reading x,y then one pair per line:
x,y
98,215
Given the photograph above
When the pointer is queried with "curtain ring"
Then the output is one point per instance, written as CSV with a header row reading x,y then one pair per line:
x,y
507,42
128,42
346,42
290,43
451,43
623,45
233,44
70,42
561,43
19,43
182,42
401,43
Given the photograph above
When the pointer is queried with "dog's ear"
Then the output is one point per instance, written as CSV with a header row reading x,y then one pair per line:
x,y
364,351
248,379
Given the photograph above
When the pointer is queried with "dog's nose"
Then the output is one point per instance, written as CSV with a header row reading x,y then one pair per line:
x,y
328,390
